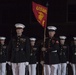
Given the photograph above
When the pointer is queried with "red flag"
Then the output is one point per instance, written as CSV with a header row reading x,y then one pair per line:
x,y
40,13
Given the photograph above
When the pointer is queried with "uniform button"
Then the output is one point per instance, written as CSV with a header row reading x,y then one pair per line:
x,y
61,49
31,54
46,51
49,47
21,49
17,40
74,53
17,43
0,53
17,49
60,53
17,46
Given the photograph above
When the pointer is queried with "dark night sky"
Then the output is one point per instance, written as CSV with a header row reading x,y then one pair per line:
x,y
61,13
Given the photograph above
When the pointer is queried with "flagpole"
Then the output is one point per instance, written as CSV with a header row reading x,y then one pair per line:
x,y
45,37
45,26
44,46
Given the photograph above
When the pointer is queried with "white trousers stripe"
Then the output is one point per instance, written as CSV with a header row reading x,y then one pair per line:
x,y
74,68
54,69
18,68
62,69
2,68
50,69
32,69
47,69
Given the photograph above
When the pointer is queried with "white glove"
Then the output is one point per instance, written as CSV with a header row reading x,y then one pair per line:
x,y
9,63
70,63
67,62
26,63
42,62
36,62
43,49
6,62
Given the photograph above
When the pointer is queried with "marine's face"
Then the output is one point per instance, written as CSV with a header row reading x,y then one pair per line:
x,y
75,42
32,43
62,41
51,33
2,41
19,31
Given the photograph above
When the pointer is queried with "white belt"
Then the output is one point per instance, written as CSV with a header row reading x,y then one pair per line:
x,y
74,53
54,51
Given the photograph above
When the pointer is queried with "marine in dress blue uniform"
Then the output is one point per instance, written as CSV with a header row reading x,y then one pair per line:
x,y
33,57
73,56
19,51
3,56
63,56
51,48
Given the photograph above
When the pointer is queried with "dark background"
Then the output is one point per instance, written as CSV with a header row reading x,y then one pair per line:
x,y
61,13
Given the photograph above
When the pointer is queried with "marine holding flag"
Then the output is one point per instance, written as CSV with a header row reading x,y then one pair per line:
x,y
51,58
40,13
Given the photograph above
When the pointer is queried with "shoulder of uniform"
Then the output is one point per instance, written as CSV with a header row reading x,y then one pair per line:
x,y
13,38
39,42
56,38
47,38
23,36
36,45
27,38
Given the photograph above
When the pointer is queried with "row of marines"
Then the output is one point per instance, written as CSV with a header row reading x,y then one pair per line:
x,y
22,51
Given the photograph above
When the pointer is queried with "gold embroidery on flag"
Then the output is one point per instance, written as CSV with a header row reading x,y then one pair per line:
x,y
41,9
40,16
